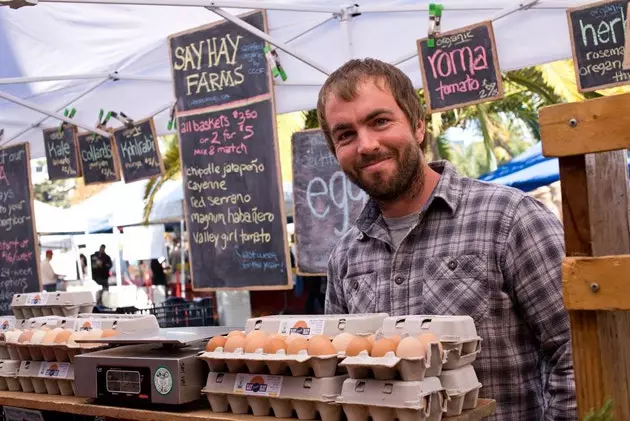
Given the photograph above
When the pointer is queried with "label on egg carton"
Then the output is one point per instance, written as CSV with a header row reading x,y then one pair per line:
x,y
54,370
257,385
7,323
307,325
302,327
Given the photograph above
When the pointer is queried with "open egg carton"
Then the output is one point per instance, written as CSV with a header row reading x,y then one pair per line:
x,y
383,400
44,377
63,304
456,334
307,397
462,388
9,340
7,324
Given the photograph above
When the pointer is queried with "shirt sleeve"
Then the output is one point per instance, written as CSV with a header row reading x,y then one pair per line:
x,y
335,300
534,251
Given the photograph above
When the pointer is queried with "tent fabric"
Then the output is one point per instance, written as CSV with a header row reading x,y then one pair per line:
x,y
53,39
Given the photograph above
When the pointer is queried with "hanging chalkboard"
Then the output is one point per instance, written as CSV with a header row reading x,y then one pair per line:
x,y
61,153
326,202
219,63
138,151
19,249
597,33
99,163
461,69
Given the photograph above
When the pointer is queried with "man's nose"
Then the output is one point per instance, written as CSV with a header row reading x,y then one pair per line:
x,y
367,142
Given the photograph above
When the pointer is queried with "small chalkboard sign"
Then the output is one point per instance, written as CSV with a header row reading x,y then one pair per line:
x,y
19,248
597,33
99,162
138,151
461,69
61,153
219,63
326,202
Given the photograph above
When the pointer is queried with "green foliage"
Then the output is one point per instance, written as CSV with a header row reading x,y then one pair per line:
x,y
310,119
172,170
55,193
603,414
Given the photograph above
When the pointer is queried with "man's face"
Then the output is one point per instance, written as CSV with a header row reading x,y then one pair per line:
x,y
102,250
374,143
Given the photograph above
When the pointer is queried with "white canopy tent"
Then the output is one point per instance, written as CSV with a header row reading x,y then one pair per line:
x,y
106,54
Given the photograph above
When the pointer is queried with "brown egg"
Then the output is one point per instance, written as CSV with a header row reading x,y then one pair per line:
x,y
296,345
256,334
371,338
341,341
234,343
429,338
62,337
254,344
395,338
320,345
236,333
383,346
26,336
358,345
410,347
273,345
44,328
72,340
49,338
216,342
108,333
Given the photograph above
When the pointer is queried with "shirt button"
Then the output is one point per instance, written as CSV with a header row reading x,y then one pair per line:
x,y
452,265
361,236
399,280
355,285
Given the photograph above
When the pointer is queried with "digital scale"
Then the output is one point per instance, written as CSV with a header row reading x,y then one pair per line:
x,y
157,368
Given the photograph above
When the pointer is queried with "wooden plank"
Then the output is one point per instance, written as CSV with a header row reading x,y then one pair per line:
x,y
83,406
596,283
601,124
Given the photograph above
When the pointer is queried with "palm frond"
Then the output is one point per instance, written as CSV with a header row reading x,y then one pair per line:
x,y
172,169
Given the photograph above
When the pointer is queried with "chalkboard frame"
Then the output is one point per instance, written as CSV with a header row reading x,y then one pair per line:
x,y
151,122
625,64
269,96
495,60
114,158
576,67
75,144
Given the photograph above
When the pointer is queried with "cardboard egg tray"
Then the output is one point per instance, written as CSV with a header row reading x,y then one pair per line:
x,y
8,375
391,367
382,400
47,377
10,346
63,304
7,323
329,325
462,388
306,397
457,334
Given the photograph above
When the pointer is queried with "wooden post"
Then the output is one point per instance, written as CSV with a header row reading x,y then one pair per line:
x,y
595,201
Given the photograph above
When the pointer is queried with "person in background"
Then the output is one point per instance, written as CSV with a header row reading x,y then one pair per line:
x,y
101,265
49,276
431,241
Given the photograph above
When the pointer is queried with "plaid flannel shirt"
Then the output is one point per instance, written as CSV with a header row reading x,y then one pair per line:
x,y
482,250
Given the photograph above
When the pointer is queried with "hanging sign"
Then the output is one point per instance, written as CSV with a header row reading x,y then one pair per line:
x,y
461,68
231,174
19,248
98,160
138,151
597,33
61,153
326,202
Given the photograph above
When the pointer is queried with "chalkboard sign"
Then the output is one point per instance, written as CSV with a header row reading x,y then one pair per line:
x,y
234,203
462,69
61,153
218,64
19,249
326,202
98,160
597,39
138,151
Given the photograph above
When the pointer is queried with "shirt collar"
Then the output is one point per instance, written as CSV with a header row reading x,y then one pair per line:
x,y
448,190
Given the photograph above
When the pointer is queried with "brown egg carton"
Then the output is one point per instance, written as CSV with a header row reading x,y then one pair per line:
x,y
457,334
8,375
383,400
308,325
391,367
51,378
462,387
61,303
296,365
307,398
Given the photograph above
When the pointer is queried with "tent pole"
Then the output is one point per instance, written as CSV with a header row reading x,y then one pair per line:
x,y
58,116
182,250
252,29
312,28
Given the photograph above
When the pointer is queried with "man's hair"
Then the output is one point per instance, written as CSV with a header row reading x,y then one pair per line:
x,y
102,246
49,252
344,81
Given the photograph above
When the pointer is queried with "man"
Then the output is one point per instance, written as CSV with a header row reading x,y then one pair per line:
x,y
430,241
49,276
101,265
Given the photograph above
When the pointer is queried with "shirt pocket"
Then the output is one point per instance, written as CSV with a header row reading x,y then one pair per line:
x,y
456,285
359,292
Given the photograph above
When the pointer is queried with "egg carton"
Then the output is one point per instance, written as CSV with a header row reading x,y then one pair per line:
x,y
391,367
9,339
457,334
43,377
7,324
307,397
328,325
383,400
8,376
64,304
462,387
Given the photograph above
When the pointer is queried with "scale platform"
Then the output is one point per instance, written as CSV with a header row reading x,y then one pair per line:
x,y
157,368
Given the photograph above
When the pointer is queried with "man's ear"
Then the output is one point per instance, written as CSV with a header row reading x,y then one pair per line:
x,y
420,130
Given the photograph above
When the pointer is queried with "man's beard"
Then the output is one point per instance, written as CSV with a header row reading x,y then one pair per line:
x,y
408,178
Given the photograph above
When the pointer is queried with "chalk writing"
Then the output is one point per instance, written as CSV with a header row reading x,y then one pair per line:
x,y
138,152
61,153
98,162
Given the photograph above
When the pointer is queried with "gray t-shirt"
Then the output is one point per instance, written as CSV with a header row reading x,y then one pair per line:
x,y
399,227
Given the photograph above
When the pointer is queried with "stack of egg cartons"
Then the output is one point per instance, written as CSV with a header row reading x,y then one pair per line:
x,y
8,365
285,365
418,368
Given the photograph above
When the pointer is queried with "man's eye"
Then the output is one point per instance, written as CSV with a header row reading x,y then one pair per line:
x,y
344,136
380,121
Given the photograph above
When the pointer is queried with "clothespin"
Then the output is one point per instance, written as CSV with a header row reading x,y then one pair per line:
x,y
435,18
122,118
274,63
1,134
16,4
101,123
172,121
67,113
